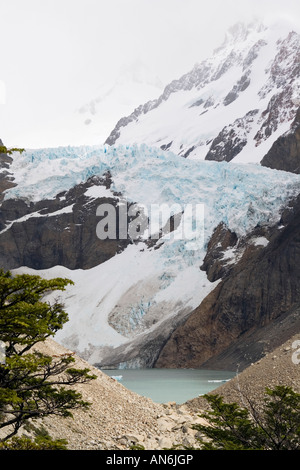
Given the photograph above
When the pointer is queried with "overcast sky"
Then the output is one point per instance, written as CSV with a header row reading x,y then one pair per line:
x,y
56,53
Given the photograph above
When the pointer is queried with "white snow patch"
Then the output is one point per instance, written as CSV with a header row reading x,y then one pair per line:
x,y
64,210
260,241
98,192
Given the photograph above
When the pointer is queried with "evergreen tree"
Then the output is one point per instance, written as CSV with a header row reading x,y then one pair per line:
x,y
4,149
273,426
33,385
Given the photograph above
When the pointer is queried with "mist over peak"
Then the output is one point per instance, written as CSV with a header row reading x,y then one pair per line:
x,y
137,71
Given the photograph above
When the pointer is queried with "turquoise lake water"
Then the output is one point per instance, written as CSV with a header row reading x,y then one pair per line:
x,y
164,385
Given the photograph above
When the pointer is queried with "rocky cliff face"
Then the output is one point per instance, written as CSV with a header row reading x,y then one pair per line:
x,y
285,152
59,231
255,306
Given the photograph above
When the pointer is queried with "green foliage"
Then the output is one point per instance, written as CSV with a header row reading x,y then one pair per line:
x,y
273,426
4,149
39,443
137,447
25,318
33,385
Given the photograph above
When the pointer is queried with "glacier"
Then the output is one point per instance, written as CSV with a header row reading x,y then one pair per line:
x,y
144,287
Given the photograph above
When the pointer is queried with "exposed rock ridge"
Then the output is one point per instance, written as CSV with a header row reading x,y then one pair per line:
x,y
59,231
285,152
260,287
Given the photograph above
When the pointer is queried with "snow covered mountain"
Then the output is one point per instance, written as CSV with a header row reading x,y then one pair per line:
x,y
234,105
214,256
130,295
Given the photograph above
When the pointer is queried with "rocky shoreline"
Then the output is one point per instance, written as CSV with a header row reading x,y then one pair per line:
x,y
281,366
119,419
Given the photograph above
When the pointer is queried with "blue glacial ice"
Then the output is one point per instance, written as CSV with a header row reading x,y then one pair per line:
x,y
240,195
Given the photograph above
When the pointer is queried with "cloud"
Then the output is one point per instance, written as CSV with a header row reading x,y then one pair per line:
x,y
59,52
2,92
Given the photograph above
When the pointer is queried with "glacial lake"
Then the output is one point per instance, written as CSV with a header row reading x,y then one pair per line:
x,y
164,385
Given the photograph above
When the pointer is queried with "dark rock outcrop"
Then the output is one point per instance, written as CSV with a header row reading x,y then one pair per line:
x,y
213,263
240,86
253,345
285,152
60,231
261,290
232,139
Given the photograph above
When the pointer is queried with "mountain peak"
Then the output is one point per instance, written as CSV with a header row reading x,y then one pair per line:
x,y
234,104
240,31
